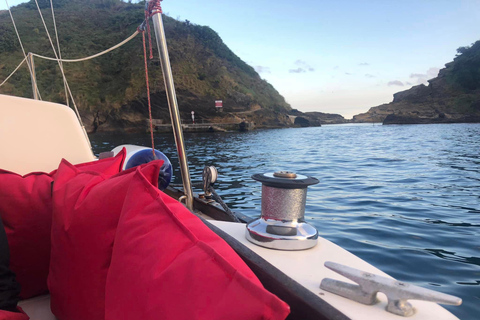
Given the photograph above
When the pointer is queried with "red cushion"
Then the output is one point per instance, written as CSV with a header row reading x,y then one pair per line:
x,y
19,315
86,209
107,166
166,264
26,212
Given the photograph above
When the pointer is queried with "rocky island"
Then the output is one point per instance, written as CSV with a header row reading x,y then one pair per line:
x,y
453,96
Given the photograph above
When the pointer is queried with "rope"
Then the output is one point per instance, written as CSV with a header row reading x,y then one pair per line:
x,y
60,65
21,45
150,8
60,61
148,93
16,31
59,51
11,74
154,7
217,198
95,55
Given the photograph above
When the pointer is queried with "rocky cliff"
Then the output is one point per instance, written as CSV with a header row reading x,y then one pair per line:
x,y
314,119
453,96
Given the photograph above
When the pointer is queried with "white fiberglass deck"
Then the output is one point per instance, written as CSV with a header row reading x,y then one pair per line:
x,y
307,268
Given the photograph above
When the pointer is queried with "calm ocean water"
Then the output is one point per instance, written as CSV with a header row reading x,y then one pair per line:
x,y
404,198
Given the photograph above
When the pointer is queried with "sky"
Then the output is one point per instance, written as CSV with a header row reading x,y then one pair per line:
x,y
337,56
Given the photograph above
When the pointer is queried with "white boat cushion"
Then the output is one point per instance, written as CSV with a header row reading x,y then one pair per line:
x,y
38,308
36,135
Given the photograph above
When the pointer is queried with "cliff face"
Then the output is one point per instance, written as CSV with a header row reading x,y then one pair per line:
x,y
110,91
453,96
325,118
314,119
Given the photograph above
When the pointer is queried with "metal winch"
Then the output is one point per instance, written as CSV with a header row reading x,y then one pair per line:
x,y
282,224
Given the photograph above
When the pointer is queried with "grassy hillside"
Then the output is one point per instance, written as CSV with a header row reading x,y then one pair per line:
x,y
110,91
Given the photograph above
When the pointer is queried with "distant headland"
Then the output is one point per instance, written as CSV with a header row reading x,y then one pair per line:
x,y
453,96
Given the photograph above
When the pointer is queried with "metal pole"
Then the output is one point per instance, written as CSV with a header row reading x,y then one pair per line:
x,y
33,76
173,106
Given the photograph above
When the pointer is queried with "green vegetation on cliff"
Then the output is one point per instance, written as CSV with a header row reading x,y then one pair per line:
x,y
453,96
465,68
110,91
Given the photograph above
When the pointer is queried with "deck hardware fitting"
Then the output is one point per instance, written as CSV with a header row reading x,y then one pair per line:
x,y
209,177
282,224
370,284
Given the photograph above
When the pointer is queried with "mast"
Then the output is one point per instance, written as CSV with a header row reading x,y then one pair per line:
x,y
156,14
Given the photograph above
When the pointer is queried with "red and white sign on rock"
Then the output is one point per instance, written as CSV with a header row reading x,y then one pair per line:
x,y
218,103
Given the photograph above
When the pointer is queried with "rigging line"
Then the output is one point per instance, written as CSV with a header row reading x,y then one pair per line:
x,y
60,65
59,51
15,27
63,75
21,44
148,94
67,86
95,55
11,74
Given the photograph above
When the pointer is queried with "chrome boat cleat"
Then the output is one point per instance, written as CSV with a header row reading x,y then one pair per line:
x,y
370,284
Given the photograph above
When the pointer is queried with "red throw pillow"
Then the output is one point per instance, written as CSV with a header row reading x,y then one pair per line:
x,y
19,315
86,209
26,212
107,166
166,264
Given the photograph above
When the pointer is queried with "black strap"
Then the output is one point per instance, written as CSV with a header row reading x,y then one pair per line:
x,y
9,287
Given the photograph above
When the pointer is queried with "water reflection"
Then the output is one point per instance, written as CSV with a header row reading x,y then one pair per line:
x,y
386,192
454,257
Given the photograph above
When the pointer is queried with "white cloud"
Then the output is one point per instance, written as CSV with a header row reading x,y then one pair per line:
x,y
302,67
395,83
262,69
298,70
424,77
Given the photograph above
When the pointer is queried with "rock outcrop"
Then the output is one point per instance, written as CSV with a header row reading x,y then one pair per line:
x,y
453,96
314,119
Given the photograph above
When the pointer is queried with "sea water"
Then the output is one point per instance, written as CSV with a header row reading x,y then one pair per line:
x,y
404,198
